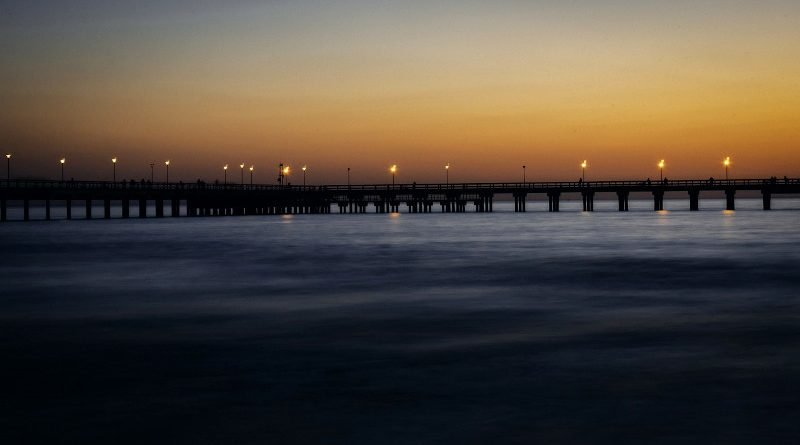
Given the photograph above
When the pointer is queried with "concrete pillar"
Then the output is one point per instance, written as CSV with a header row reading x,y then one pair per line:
x,y
729,204
142,208
658,200
88,208
694,200
766,197
47,209
622,197
3,209
588,201
554,201
26,209
159,208
126,208
106,208
69,208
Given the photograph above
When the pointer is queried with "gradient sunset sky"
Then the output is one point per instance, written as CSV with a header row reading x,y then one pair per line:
x,y
485,86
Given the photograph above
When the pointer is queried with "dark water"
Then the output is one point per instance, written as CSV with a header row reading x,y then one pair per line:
x,y
673,327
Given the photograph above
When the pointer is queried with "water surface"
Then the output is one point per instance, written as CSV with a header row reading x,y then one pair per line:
x,y
570,327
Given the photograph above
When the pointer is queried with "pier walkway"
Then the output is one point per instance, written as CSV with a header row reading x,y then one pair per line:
x,y
207,199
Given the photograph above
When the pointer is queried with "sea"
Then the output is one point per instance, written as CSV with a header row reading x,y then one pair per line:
x,y
573,327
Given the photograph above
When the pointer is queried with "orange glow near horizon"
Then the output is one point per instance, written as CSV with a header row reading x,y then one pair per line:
x,y
528,84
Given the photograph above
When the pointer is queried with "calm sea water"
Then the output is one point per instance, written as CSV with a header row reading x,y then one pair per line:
x,y
604,327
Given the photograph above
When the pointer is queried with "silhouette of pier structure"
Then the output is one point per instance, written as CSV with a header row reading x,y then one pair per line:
x,y
204,199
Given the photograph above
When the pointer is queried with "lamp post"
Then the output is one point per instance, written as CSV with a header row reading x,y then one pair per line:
x,y
251,176
62,161
447,174
726,163
8,167
304,175
348,176
225,173
167,164
584,164
152,166
524,179
114,164
283,173
393,169
241,167
661,169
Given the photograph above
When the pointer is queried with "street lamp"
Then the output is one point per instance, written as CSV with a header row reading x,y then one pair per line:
x,y
225,173
167,164
251,176
524,179
661,169
393,169
62,161
114,164
447,174
8,166
241,166
304,175
152,164
584,164
726,163
348,176
284,171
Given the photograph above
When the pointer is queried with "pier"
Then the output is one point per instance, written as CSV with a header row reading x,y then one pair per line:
x,y
206,199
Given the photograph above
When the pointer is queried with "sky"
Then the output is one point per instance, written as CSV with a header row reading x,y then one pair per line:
x,y
484,86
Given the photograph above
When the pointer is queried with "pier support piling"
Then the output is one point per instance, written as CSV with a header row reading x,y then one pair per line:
x,y
729,203
553,201
588,201
622,197
694,200
766,198
658,200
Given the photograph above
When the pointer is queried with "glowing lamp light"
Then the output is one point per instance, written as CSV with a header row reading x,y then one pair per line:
x,y
393,168
166,162
8,155
251,168
286,170
225,167
304,168
63,160
727,161
661,164
584,164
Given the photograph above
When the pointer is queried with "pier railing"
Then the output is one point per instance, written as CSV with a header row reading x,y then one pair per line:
x,y
33,184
